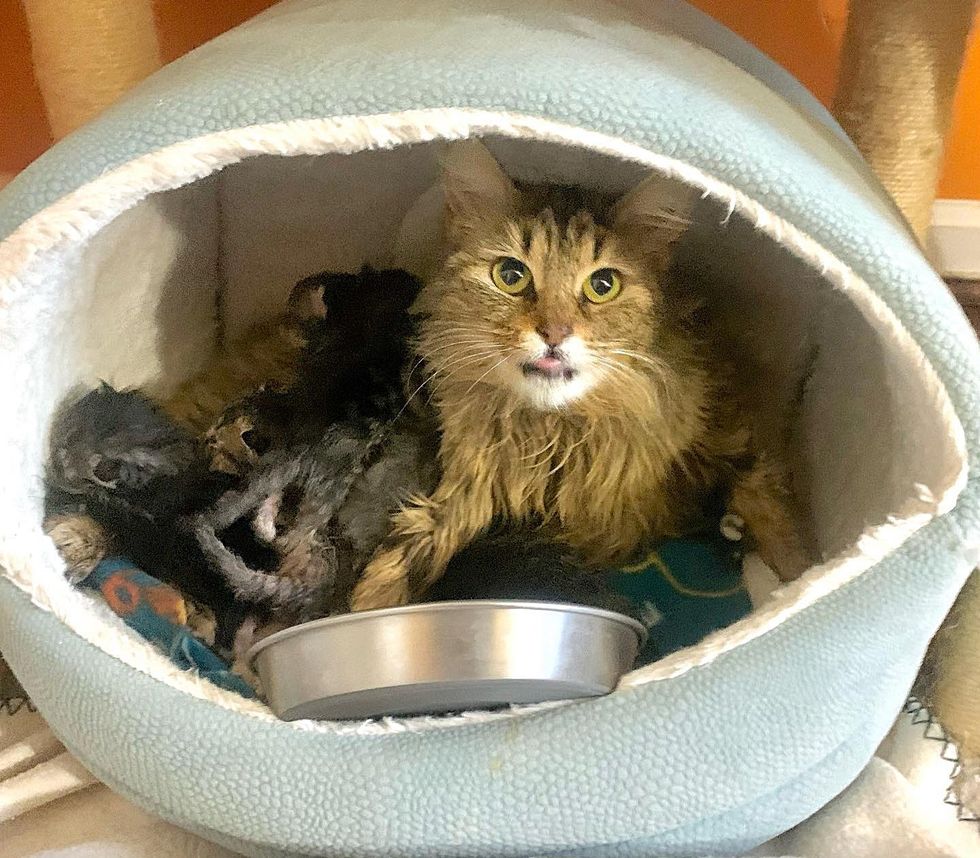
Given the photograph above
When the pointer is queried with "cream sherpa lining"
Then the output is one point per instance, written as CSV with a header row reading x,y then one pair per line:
x,y
48,238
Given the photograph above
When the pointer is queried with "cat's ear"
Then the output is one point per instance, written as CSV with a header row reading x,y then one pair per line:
x,y
477,190
657,212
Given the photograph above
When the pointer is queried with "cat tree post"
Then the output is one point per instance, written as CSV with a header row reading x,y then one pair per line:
x,y
87,53
900,63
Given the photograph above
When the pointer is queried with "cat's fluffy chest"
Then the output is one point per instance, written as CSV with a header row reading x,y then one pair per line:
x,y
604,481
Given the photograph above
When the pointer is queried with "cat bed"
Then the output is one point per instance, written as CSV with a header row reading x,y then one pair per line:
x,y
304,141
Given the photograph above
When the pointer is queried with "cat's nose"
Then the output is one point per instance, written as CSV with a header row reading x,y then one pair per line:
x,y
554,334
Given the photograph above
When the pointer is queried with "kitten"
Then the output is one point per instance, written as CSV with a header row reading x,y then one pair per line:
x,y
324,467
265,355
355,351
573,384
136,475
325,507
525,566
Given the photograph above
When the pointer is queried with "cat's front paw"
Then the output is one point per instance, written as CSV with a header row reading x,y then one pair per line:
x,y
383,584
81,541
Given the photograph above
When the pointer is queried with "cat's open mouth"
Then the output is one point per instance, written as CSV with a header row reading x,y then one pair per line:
x,y
549,367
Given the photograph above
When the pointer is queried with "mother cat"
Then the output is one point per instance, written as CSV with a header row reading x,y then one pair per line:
x,y
576,387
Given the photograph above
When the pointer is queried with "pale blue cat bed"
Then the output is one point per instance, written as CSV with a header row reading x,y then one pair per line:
x,y
120,239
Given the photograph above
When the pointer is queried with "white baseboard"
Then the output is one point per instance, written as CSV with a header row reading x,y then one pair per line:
x,y
954,239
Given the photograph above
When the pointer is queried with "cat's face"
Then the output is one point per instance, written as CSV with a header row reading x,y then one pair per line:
x,y
539,297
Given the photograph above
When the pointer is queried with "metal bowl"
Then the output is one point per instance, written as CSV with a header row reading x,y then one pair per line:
x,y
444,657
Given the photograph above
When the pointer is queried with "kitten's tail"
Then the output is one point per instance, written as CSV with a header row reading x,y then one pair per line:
x,y
306,587
255,586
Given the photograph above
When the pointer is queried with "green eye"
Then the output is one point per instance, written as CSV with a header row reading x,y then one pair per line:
x,y
510,275
602,285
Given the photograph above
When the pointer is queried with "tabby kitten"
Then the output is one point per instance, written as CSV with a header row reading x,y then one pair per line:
x,y
121,468
268,353
572,385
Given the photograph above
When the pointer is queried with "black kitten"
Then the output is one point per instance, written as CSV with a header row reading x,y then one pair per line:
x,y
354,355
514,563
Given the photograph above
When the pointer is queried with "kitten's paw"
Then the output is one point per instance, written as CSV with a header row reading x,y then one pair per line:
x,y
81,541
784,551
248,635
201,621
384,584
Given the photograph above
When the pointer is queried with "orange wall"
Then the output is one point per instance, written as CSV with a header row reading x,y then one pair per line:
x,y
806,39
961,177
803,35
23,129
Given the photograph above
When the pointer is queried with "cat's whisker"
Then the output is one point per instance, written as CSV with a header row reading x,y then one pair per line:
x,y
487,350
645,359
445,380
505,358
458,363
646,378
615,367
657,383
462,332
639,382
470,358
475,359
464,352
463,336
459,341
454,344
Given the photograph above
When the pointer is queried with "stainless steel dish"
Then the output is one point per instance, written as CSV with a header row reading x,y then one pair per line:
x,y
442,657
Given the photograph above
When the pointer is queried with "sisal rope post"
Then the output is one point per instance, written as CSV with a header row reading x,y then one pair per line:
x,y
87,53
899,66
955,694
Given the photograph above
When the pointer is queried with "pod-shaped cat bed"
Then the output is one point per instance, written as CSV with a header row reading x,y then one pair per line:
x,y
299,142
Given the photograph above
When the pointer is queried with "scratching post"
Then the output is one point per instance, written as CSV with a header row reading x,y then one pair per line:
x,y
899,67
955,693
87,53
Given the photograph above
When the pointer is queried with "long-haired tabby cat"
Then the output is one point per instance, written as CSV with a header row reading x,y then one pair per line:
x,y
573,384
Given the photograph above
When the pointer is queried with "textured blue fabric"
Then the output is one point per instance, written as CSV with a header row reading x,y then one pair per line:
x,y
156,612
717,759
